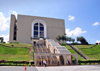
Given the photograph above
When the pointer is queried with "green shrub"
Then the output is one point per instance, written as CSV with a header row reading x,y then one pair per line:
x,y
3,42
89,61
96,43
14,42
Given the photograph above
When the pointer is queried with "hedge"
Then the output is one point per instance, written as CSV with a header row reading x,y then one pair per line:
x,y
89,61
14,63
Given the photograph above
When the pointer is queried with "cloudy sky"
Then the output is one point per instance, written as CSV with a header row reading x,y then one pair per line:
x,y
82,17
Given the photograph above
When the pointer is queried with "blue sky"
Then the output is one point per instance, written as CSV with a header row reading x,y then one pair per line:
x,y
82,17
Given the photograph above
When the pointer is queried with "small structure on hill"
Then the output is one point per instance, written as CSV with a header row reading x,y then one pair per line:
x,y
1,39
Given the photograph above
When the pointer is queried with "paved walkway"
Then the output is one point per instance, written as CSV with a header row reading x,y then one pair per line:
x,y
52,68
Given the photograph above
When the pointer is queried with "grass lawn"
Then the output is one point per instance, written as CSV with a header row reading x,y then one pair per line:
x,y
17,45
73,52
93,53
14,53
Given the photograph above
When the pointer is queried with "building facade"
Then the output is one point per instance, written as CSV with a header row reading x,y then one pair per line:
x,y
25,28
42,32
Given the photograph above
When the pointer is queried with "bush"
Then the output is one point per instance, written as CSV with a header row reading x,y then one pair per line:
x,y
96,43
89,61
3,42
14,63
14,42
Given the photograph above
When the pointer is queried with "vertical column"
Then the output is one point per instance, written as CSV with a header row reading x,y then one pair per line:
x,y
35,59
71,59
65,59
76,56
50,59
59,61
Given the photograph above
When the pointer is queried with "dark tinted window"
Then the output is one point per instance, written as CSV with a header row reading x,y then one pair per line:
x,y
35,33
41,28
41,34
41,25
35,27
36,24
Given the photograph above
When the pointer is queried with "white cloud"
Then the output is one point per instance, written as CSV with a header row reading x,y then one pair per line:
x,y
3,22
96,24
97,41
13,12
6,37
75,32
71,17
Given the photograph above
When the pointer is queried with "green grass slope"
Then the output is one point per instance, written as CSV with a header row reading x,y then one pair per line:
x,y
14,53
17,45
73,52
93,53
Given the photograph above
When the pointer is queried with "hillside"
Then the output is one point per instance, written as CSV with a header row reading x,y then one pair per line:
x,y
93,53
14,53
73,52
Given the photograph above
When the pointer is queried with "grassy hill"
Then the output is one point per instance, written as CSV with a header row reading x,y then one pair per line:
x,y
20,51
73,52
17,45
14,53
93,53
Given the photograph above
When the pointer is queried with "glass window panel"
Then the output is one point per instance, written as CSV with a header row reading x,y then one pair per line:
x,y
36,24
41,25
35,27
42,34
35,34
41,28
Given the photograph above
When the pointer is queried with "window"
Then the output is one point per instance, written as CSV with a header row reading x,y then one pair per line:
x,y
41,30
38,30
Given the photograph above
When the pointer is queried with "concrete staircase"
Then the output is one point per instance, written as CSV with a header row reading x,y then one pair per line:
x,y
44,49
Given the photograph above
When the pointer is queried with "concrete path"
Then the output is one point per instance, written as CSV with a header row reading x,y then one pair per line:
x,y
52,68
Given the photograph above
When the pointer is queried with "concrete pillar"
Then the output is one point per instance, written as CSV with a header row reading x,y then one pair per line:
x,y
50,59
71,59
59,60
65,59
35,59
76,56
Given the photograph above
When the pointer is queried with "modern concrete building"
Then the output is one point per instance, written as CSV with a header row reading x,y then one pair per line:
x,y
41,32
25,28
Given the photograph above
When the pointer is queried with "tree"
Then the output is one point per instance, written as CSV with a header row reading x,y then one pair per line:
x,y
78,38
58,38
1,39
69,39
63,37
82,40
73,40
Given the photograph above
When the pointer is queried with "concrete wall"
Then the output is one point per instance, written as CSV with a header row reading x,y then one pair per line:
x,y
55,27
12,23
